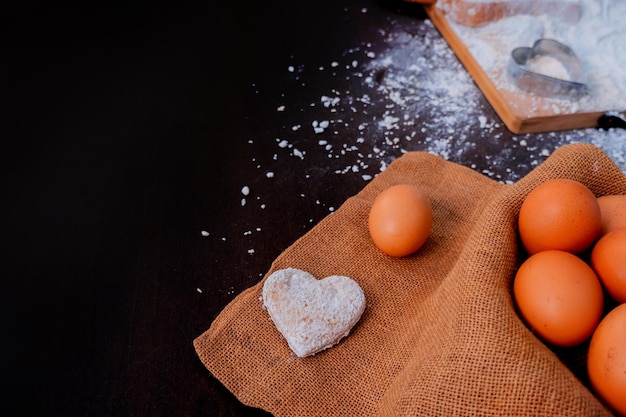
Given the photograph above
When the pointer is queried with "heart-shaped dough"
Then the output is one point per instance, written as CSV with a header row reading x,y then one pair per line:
x,y
312,314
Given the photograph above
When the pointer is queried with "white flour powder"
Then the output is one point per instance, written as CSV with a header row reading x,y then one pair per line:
x,y
547,65
598,39
416,96
402,90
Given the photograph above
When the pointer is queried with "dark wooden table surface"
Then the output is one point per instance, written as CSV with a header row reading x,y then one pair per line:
x,y
156,159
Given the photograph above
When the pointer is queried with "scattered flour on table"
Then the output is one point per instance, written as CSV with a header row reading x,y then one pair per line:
x,y
432,104
419,98
405,91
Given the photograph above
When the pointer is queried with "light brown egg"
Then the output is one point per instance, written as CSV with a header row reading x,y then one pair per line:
x,y
400,220
613,212
560,214
606,360
608,259
559,297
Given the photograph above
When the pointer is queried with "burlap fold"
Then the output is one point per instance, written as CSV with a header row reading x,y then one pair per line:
x,y
440,335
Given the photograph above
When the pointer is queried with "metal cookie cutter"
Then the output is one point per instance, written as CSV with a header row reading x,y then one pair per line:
x,y
523,75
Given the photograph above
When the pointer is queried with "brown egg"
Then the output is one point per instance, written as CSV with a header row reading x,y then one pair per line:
x,y
606,360
560,214
608,259
400,220
613,212
559,297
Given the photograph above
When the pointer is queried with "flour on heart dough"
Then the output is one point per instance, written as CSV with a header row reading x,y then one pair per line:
x,y
312,315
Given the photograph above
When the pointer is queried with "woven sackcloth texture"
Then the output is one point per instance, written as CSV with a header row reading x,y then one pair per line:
x,y
440,335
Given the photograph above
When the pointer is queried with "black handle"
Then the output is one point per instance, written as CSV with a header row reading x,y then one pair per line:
x,y
609,120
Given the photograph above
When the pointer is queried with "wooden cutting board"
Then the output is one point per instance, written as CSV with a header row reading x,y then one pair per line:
x,y
518,110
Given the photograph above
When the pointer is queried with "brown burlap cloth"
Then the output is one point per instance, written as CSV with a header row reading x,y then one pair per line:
x,y
440,335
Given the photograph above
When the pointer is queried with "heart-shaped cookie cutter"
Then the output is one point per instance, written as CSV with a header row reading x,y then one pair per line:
x,y
526,78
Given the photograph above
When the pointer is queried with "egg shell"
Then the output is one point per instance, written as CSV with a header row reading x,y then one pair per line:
x,y
606,360
559,296
608,259
400,220
612,212
560,214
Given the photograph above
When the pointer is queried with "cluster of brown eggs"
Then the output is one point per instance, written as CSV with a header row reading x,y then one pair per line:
x,y
576,245
577,254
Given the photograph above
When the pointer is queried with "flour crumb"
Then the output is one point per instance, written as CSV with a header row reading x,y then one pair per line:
x,y
298,153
